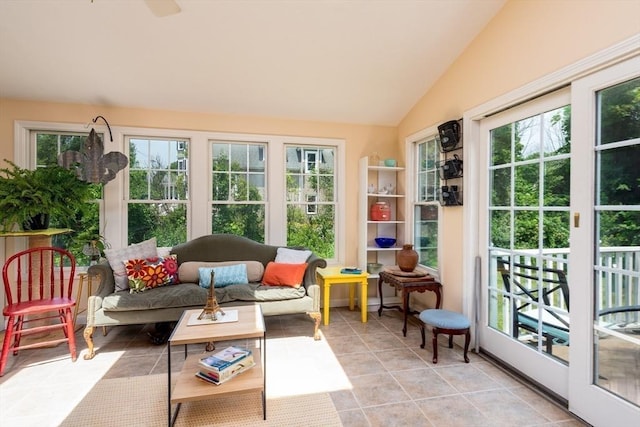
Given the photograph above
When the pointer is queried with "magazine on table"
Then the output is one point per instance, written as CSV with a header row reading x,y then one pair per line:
x,y
224,358
215,377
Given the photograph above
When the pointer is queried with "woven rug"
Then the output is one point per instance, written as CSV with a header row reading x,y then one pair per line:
x,y
142,401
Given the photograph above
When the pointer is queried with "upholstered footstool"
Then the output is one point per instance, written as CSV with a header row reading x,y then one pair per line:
x,y
445,322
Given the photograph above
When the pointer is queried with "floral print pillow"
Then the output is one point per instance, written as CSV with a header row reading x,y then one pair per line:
x,y
151,272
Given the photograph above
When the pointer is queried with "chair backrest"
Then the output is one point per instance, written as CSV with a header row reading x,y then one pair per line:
x,y
553,280
39,273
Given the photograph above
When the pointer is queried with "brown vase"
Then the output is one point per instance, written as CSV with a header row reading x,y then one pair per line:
x,y
407,258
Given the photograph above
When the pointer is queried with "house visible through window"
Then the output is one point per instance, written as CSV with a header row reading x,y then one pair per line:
x,y
239,192
158,190
311,204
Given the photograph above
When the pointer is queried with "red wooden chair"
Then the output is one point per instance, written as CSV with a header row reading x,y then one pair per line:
x,y
38,284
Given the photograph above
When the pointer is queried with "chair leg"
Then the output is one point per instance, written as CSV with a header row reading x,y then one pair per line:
x,y
435,345
6,344
17,334
467,339
422,334
70,333
450,340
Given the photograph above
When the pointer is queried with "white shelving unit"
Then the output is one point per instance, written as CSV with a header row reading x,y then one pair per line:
x,y
377,178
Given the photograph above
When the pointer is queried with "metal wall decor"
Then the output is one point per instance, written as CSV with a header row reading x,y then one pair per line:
x,y
90,163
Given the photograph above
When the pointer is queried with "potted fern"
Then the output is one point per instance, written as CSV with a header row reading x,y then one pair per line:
x,y
28,198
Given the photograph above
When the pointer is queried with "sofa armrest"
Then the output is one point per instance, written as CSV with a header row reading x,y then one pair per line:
x,y
313,263
310,279
107,283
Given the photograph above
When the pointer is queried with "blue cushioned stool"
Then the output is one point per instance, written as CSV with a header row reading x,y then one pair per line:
x,y
445,322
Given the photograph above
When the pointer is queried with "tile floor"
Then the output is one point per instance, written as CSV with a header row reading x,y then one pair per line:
x,y
375,376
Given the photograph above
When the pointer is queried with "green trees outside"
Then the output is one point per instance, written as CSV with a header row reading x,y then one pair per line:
x,y
619,167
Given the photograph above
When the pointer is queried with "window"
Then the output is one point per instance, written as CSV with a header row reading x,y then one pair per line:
x,y
311,205
426,204
86,226
158,190
238,183
239,193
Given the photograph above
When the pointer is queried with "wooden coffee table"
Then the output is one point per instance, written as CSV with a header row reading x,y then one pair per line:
x,y
250,324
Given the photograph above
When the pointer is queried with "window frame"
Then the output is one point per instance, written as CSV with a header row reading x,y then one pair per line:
x,y
115,202
411,148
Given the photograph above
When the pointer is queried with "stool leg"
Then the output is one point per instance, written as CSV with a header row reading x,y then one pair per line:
x,y
450,340
435,345
467,339
422,334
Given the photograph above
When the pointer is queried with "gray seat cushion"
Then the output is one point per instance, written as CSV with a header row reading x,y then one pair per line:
x,y
190,294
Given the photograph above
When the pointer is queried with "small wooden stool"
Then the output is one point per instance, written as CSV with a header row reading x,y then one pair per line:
x,y
445,322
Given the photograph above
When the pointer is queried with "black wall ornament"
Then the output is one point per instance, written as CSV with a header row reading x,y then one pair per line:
x,y
90,163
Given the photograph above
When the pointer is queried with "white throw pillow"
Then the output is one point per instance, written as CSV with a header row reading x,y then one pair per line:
x,y
117,257
292,256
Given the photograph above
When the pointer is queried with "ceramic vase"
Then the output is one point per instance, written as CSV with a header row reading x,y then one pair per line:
x,y
407,258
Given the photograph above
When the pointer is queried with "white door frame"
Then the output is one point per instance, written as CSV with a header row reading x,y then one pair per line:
x,y
587,400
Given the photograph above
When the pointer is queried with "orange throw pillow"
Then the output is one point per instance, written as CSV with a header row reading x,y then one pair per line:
x,y
280,274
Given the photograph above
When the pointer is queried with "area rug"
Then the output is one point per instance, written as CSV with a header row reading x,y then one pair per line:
x,y
142,401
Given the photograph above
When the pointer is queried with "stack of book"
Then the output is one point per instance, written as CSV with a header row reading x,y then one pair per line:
x,y
224,365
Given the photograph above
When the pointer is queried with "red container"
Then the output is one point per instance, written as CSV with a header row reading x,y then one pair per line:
x,y
380,211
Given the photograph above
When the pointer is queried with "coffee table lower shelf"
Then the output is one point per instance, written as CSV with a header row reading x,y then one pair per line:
x,y
189,388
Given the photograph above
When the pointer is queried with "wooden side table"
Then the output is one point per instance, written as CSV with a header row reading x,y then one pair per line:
x,y
331,276
406,285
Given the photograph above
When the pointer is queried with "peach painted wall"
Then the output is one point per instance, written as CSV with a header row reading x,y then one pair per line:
x,y
525,41
360,140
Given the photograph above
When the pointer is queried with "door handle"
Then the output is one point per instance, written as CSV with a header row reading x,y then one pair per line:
x,y
576,220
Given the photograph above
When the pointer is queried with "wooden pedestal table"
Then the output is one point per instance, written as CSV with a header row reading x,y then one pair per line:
x,y
405,283
250,324
332,276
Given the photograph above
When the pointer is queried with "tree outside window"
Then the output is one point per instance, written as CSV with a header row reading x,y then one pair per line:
x,y
311,187
158,190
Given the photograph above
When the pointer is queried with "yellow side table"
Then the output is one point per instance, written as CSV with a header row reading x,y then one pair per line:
x,y
331,276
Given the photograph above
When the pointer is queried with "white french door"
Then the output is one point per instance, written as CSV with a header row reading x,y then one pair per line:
x,y
524,238
604,386
559,238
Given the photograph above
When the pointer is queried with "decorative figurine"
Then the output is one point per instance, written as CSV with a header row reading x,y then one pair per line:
x,y
212,307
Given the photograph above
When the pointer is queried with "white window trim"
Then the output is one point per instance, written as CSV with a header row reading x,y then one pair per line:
x,y
410,199
198,224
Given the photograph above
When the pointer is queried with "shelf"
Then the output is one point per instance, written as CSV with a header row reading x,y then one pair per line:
x,y
385,195
376,248
385,168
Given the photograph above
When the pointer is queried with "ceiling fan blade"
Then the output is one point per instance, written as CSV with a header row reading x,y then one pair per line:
x,y
162,8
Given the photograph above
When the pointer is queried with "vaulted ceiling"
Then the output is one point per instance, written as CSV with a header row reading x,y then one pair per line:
x,y
351,61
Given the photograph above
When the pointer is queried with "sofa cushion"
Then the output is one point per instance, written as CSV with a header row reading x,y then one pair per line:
x,y
116,258
292,256
184,295
279,274
188,271
258,293
223,275
152,272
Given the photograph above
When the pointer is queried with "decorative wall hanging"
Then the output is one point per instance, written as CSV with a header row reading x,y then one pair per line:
x,y
90,163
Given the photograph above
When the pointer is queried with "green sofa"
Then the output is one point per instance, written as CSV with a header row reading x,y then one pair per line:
x,y
108,307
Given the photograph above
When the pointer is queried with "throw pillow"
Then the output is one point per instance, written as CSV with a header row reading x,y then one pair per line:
x,y
280,274
188,270
151,273
117,257
223,276
292,256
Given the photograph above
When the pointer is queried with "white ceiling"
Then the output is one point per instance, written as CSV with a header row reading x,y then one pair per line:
x,y
351,61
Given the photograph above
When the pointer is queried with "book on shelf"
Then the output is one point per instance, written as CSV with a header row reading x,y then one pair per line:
x,y
224,358
220,377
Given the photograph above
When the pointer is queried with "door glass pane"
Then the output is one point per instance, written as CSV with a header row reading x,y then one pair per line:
x,y
529,231
617,269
